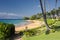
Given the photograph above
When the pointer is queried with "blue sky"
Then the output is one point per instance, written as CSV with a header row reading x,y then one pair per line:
x,y
19,8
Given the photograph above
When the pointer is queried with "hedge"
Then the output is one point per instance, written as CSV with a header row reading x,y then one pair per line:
x,y
6,30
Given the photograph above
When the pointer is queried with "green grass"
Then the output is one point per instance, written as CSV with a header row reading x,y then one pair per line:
x,y
57,23
50,21
51,36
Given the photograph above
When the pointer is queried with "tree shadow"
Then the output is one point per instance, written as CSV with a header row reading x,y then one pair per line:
x,y
57,28
16,36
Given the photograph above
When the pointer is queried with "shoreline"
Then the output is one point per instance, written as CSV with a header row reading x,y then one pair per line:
x,y
23,23
31,25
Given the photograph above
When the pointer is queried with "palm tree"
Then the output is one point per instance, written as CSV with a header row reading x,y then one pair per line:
x,y
39,15
48,15
53,14
44,14
59,12
56,10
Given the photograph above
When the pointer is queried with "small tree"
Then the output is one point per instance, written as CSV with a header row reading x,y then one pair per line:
x,y
26,18
33,17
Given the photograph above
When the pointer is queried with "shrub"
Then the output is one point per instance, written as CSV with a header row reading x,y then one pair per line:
x,y
21,33
47,32
32,32
26,18
2,36
52,30
55,27
6,30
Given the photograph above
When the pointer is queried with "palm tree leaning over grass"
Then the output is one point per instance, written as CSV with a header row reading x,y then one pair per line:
x,y
44,14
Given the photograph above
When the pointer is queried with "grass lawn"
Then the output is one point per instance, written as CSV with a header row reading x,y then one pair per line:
x,y
50,21
51,36
57,23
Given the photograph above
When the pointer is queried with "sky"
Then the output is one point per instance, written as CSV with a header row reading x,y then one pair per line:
x,y
15,9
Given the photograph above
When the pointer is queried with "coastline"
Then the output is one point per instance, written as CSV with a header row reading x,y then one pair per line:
x,y
32,24
26,22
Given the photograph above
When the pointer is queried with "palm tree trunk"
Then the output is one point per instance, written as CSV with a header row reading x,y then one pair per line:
x,y
44,14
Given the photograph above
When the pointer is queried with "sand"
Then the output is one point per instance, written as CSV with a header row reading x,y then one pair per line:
x,y
31,25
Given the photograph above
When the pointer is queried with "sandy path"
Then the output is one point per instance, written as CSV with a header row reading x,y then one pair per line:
x,y
33,24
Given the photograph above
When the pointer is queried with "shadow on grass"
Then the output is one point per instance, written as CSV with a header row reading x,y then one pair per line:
x,y
16,36
57,28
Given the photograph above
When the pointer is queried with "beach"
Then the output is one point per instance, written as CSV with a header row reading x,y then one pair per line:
x,y
31,25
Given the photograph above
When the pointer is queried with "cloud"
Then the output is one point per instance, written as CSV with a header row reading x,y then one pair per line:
x,y
5,15
9,14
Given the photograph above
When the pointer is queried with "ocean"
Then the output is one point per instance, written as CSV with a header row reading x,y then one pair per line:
x,y
16,22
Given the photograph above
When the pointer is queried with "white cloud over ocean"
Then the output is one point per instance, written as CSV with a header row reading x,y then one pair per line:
x,y
5,15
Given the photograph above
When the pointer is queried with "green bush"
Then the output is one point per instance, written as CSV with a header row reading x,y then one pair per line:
x,y
52,30
32,32
50,21
55,27
47,32
6,30
21,33
26,18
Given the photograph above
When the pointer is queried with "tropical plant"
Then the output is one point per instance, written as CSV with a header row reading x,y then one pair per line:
x,y
53,13
44,14
39,15
26,18
33,17
6,30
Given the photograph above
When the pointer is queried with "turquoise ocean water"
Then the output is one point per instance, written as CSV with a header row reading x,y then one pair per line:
x,y
14,21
